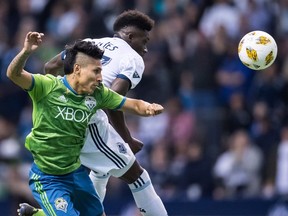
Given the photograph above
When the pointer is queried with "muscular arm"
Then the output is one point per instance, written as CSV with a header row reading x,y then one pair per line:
x,y
117,117
54,66
141,108
16,73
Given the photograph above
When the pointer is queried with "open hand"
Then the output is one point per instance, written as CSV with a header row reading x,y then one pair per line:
x,y
32,41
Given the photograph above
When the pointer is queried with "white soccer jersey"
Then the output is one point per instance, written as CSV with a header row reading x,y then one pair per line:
x,y
104,150
119,60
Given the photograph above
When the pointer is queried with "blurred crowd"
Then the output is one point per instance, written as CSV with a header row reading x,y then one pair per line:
x,y
224,134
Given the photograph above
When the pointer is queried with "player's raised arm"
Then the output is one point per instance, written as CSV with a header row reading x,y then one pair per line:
x,y
142,108
15,70
55,65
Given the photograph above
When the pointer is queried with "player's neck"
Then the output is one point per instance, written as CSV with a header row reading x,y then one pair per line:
x,y
71,83
117,35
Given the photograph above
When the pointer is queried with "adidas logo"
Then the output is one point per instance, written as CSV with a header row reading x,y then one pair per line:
x,y
136,75
142,210
62,98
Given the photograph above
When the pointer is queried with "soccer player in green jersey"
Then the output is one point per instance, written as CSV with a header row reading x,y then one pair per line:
x,y
62,107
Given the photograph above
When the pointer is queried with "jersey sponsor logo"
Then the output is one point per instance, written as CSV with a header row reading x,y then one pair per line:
x,y
61,204
105,60
136,75
62,98
90,102
69,114
122,149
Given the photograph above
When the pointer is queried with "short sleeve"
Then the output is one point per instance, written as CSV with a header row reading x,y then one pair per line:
x,y
110,99
132,68
42,85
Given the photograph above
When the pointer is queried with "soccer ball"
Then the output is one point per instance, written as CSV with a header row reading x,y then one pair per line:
x,y
257,50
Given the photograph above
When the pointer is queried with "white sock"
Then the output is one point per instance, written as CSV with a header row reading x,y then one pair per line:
x,y
148,202
100,182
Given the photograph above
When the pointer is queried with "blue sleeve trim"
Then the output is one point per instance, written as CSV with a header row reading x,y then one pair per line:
x,y
32,85
121,104
122,76
63,55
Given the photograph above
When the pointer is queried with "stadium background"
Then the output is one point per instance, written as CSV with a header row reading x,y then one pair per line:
x,y
221,147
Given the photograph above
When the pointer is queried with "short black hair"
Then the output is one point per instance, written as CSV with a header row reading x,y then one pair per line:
x,y
87,47
133,18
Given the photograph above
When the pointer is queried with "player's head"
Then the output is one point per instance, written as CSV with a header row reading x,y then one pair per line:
x,y
83,63
133,26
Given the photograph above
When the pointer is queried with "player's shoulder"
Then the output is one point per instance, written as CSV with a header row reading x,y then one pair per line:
x,y
133,58
49,78
43,84
53,78
40,76
128,52
98,40
101,91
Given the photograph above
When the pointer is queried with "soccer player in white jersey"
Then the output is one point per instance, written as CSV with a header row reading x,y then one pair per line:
x,y
105,152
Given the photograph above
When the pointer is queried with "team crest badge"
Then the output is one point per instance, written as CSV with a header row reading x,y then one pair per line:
x,y
90,102
122,148
61,204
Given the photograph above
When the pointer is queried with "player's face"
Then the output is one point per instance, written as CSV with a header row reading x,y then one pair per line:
x,y
139,42
90,77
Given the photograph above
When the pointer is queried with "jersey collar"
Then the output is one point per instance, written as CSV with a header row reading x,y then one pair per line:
x,y
68,85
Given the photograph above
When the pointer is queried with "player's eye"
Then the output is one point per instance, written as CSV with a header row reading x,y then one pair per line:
x,y
97,71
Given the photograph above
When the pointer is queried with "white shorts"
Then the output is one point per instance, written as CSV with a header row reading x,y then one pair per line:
x,y
104,151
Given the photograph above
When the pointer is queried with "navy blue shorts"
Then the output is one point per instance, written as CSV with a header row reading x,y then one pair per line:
x,y
71,194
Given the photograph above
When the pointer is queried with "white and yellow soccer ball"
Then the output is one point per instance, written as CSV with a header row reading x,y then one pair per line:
x,y
257,50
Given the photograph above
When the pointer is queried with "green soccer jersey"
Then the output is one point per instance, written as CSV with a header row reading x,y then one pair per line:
x,y
60,118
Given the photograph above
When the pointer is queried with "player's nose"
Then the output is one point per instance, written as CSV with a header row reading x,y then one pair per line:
x,y
144,51
99,79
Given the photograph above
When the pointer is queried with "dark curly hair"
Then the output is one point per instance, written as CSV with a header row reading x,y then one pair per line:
x,y
86,47
133,18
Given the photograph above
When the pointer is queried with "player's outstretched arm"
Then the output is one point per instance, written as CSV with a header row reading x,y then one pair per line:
x,y
54,66
142,108
117,119
15,70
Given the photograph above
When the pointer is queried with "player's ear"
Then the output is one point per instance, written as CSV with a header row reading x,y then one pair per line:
x,y
76,68
131,36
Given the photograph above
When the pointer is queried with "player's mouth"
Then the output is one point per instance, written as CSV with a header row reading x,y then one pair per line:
x,y
97,85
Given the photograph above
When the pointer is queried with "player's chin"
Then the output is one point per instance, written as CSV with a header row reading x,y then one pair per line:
x,y
90,90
